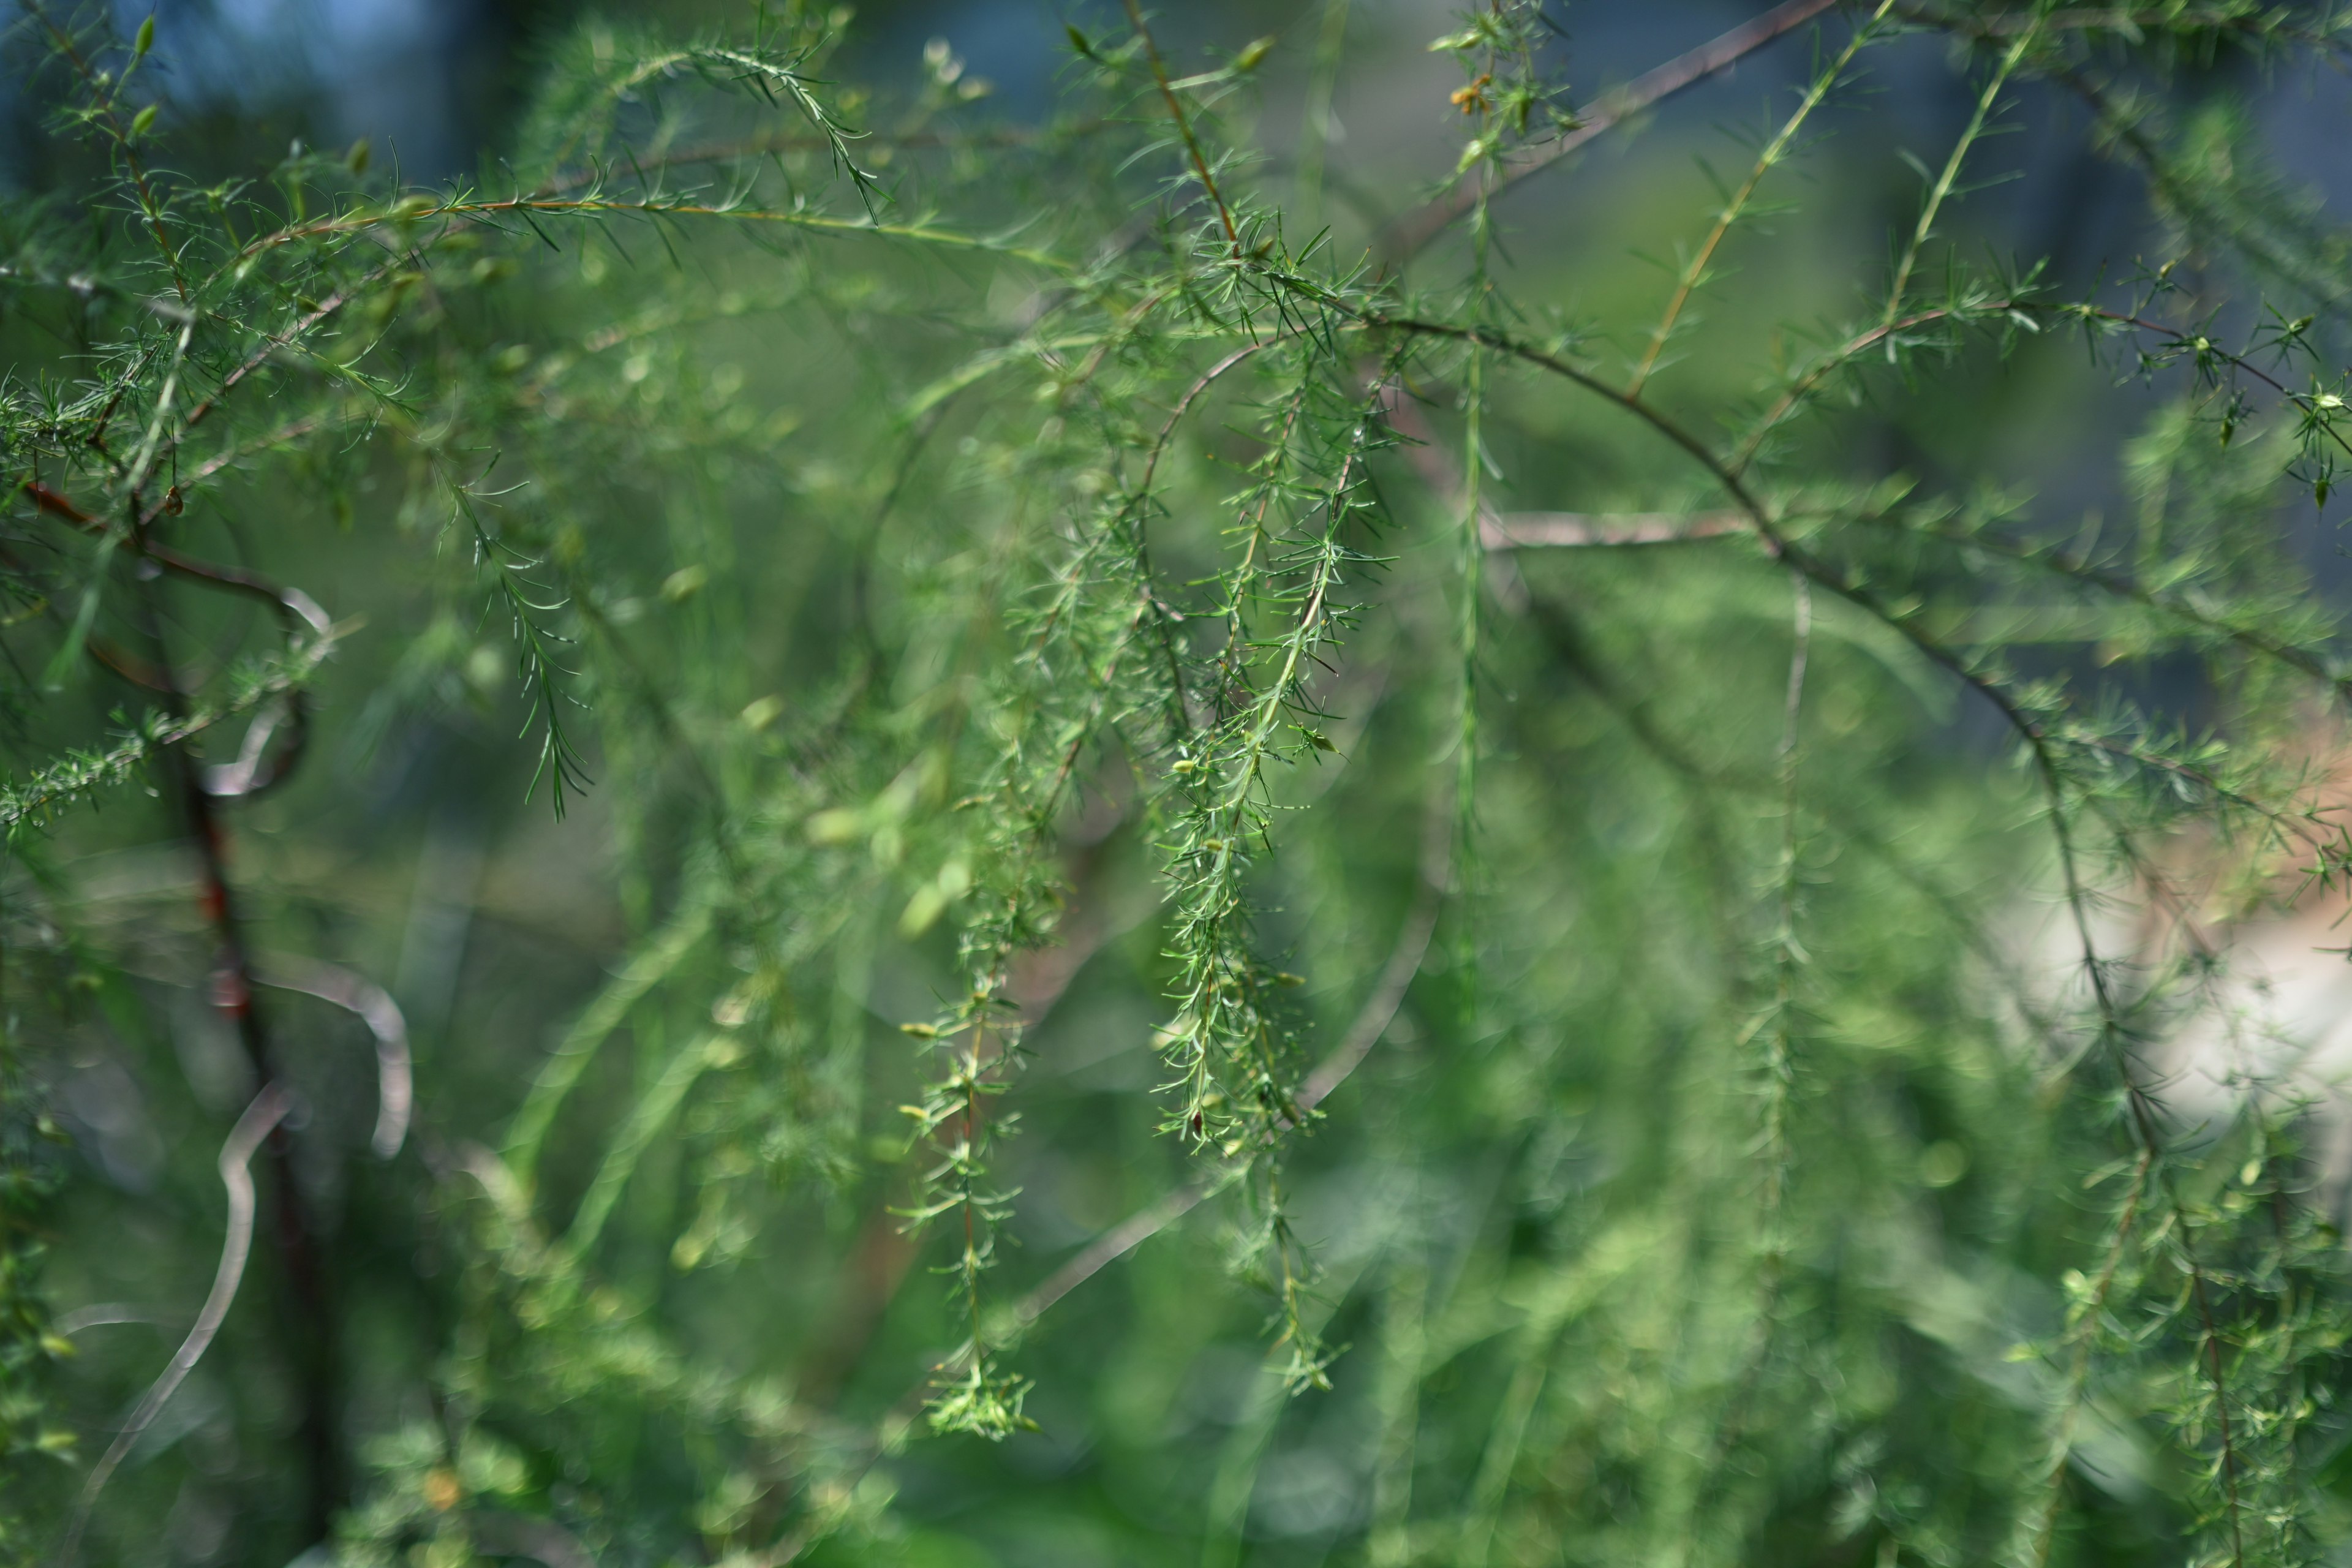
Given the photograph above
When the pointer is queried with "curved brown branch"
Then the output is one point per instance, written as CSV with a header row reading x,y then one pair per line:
x,y
257,769
1729,477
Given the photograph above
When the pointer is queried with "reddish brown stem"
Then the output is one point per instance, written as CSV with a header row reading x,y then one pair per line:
x,y
1184,126
304,1296
1425,223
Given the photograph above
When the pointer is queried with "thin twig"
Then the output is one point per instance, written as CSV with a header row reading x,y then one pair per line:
x,y
2142,1108
1779,1040
463,210
1727,476
100,1314
1001,137
260,1119
1695,273
1569,529
1183,126
354,992
2061,1444
310,1327
1415,229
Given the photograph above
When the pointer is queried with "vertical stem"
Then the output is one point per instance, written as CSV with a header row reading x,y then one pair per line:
x,y
972,1136
2084,1333
1777,149
303,1296
1315,132
1404,1336
1784,963
1472,564
1773,1028
1184,126
1942,189
2142,1114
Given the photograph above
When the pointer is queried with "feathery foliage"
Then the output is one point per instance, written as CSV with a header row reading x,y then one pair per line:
x,y
1058,696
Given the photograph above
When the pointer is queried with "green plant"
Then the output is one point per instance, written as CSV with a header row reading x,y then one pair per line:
x,y
966,573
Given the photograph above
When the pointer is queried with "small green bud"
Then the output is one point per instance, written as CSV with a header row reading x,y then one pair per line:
x,y
920,1031
143,123
838,825
1254,54
145,40
923,909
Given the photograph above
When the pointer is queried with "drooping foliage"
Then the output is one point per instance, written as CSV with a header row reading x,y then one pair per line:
x,y
825,828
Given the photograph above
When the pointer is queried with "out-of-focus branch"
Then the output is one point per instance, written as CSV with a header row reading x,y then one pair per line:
x,y
260,1119
100,1314
519,1535
1416,229
309,1328
1545,530
996,138
395,1087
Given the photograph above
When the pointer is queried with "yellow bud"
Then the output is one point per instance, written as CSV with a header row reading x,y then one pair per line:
x,y
443,1489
